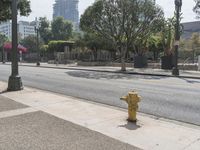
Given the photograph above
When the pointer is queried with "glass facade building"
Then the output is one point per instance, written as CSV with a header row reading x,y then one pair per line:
x,y
67,9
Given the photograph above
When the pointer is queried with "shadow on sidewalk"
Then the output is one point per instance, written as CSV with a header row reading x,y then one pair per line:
x,y
130,126
4,91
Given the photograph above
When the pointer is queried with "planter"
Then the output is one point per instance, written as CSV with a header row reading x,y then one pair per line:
x,y
167,62
140,62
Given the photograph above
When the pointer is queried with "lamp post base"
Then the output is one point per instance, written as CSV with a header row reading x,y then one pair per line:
x,y
38,64
175,71
15,83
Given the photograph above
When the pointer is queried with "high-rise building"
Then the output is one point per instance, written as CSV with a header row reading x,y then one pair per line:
x,y
67,9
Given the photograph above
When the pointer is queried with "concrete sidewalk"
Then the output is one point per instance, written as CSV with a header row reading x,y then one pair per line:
x,y
149,133
144,71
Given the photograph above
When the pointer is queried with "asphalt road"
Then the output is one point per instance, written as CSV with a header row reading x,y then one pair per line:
x,y
172,98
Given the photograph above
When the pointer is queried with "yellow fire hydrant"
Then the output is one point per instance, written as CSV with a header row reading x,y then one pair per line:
x,y
132,99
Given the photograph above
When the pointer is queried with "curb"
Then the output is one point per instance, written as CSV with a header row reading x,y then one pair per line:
x,y
109,71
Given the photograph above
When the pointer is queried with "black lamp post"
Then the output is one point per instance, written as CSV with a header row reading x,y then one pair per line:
x,y
14,83
3,56
178,5
37,42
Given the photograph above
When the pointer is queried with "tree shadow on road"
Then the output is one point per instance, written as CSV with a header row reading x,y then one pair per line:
x,y
102,75
192,81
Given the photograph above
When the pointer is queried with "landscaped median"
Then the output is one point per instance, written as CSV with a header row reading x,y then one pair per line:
x,y
80,118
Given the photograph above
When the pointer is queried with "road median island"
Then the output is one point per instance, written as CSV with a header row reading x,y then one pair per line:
x,y
149,132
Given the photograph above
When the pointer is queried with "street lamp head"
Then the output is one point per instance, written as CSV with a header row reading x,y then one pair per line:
x,y
178,3
37,23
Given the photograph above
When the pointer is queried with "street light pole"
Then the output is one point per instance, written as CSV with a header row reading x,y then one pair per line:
x,y
3,56
178,5
37,42
38,53
14,83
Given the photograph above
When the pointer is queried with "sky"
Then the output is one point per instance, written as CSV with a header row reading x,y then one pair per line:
x,y
41,8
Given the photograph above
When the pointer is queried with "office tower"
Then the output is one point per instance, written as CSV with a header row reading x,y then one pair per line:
x,y
67,9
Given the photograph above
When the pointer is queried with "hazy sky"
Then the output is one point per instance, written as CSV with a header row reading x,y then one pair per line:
x,y
41,8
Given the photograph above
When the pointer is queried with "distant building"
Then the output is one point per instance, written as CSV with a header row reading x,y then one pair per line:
x,y
6,29
24,29
189,28
68,9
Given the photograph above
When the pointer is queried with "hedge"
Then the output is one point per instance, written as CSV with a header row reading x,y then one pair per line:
x,y
58,46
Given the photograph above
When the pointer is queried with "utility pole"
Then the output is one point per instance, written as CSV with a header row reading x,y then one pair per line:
x,y
15,82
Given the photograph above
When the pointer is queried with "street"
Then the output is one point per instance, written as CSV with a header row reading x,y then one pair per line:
x,y
172,98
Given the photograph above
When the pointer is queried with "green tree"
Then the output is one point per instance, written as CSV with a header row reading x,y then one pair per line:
x,y
96,42
5,9
195,42
3,39
127,23
61,29
44,30
30,43
93,42
44,50
196,8
167,34
76,35
155,45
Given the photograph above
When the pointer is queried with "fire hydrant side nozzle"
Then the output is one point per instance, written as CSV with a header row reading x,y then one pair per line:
x,y
124,98
132,100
